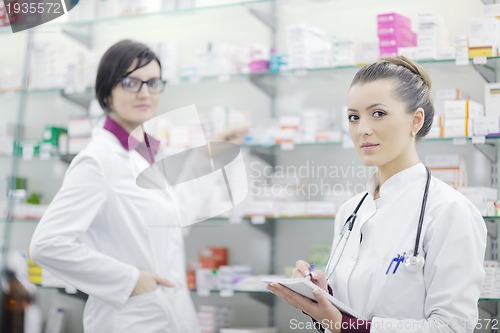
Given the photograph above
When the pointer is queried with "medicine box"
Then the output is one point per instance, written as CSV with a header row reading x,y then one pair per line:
x,y
449,94
398,40
452,177
479,194
464,108
483,32
429,18
492,99
486,126
391,32
456,128
391,20
444,161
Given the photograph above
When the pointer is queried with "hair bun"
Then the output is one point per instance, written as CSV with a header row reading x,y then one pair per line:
x,y
410,65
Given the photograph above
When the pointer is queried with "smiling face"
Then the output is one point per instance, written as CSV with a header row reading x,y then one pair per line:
x,y
131,109
380,125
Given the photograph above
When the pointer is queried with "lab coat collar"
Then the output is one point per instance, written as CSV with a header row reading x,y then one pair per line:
x,y
147,149
399,182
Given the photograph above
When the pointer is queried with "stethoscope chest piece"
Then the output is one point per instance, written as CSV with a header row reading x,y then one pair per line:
x,y
414,263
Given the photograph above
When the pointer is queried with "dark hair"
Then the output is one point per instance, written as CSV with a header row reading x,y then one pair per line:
x,y
414,84
115,64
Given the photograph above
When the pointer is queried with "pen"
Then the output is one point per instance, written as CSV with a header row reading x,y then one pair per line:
x,y
311,269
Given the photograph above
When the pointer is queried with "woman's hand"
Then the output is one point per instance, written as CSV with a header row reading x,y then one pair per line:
x,y
323,311
148,282
317,277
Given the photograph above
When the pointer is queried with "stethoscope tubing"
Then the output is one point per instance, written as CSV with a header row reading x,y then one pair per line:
x,y
344,236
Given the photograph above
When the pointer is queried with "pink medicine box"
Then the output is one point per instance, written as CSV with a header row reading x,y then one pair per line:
x,y
393,20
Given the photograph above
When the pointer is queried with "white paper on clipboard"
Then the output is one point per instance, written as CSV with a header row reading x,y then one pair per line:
x,y
305,287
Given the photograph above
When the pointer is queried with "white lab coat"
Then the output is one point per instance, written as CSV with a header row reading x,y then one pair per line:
x,y
101,229
453,241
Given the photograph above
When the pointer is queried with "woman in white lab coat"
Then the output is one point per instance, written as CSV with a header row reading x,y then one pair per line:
x,y
389,109
105,235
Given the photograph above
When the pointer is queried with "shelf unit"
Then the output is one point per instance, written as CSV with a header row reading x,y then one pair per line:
x,y
266,82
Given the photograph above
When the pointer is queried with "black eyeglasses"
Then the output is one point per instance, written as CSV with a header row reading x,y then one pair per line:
x,y
130,84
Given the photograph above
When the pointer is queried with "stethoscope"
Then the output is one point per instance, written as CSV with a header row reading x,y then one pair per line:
x,y
413,263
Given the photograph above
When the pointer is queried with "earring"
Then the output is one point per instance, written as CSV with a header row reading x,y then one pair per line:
x,y
413,134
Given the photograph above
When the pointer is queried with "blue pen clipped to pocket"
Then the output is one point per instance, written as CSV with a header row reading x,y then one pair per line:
x,y
397,260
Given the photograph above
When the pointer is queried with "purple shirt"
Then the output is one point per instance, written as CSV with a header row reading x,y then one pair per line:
x,y
147,149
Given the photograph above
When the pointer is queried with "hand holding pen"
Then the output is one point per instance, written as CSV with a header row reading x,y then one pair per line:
x,y
311,270
308,271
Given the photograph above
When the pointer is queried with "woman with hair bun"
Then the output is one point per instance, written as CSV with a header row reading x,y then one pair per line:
x,y
408,253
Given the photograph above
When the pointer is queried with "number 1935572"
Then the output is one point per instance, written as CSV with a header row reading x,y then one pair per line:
x,y
34,8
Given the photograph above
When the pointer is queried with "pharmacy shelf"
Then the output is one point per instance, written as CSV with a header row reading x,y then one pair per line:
x,y
53,158
265,80
224,221
23,220
289,147
217,292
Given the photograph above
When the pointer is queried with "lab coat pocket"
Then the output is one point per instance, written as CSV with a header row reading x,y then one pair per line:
x,y
144,313
399,287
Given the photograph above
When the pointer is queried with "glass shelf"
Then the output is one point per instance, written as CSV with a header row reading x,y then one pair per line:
x,y
25,220
306,72
491,139
294,218
53,158
215,292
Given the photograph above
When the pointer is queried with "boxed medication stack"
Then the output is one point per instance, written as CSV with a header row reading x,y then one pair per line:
x,y
317,125
10,80
47,66
170,60
432,42
50,141
345,51
449,168
489,125
307,47
484,37
258,60
444,95
7,133
213,318
436,130
459,117
79,133
491,282
288,131
483,198
80,73
394,31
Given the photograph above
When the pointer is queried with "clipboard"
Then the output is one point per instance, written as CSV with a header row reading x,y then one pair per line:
x,y
305,287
